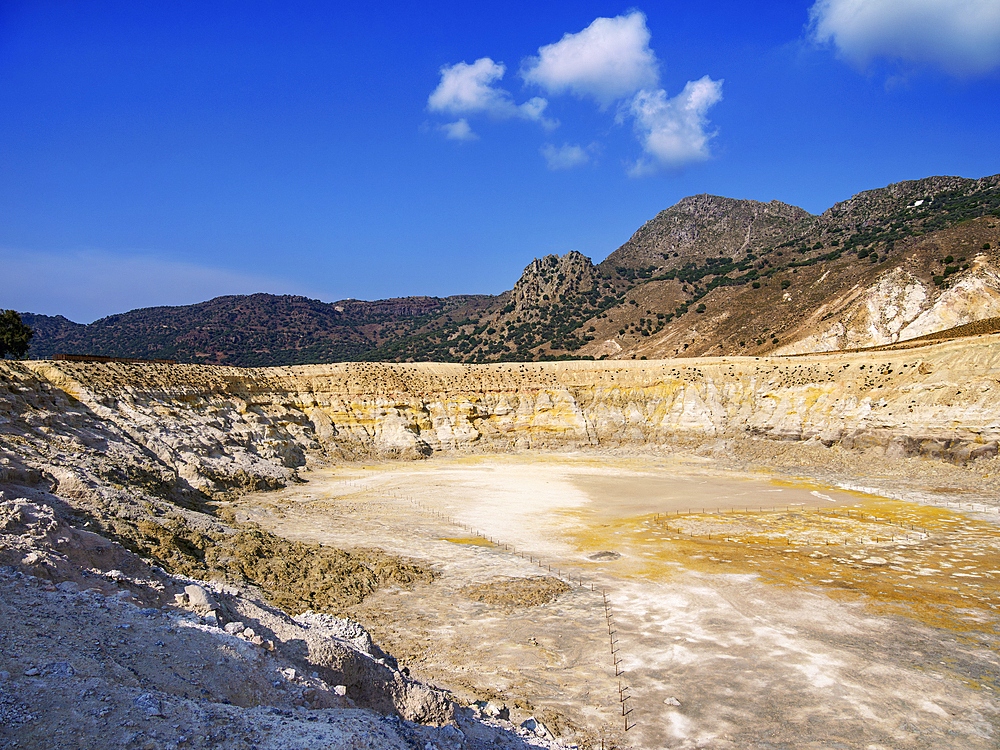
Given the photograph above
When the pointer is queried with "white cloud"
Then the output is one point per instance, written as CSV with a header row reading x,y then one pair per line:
x,y
961,36
608,60
92,284
673,131
566,156
469,89
459,131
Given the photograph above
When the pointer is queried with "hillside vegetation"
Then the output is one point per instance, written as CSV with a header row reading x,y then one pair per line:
x,y
708,276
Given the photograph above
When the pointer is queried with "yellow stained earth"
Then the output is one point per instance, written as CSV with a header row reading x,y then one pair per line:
x,y
939,566
472,541
936,565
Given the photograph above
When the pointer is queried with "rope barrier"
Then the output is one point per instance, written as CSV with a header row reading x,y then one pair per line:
x,y
623,695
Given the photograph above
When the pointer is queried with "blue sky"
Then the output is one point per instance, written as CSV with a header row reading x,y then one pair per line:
x,y
166,153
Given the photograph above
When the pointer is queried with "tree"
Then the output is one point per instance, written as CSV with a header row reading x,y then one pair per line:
x,y
15,336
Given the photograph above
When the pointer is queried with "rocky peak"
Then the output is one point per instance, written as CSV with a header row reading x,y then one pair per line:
x,y
702,226
551,278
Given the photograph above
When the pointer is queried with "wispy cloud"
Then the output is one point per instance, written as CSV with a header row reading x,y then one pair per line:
x,y
469,89
608,60
674,132
91,284
960,36
459,130
566,156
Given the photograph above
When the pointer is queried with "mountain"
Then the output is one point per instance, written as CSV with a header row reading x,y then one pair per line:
x,y
705,226
709,275
254,330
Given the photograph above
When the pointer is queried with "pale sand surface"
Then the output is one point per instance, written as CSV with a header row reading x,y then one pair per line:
x,y
768,634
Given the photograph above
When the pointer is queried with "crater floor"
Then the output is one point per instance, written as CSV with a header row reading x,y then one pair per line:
x,y
715,604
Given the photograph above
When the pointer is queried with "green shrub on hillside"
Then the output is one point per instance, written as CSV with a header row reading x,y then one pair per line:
x,y
15,336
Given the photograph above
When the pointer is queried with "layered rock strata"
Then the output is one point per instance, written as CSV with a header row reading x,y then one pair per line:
x,y
222,429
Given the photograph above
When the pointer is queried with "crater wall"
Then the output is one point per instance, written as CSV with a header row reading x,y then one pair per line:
x,y
220,427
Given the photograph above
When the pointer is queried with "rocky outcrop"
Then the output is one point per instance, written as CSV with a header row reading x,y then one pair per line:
x,y
914,195
119,651
37,537
974,296
552,278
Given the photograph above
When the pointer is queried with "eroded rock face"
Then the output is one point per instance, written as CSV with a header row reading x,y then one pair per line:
x,y
229,429
900,306
975,296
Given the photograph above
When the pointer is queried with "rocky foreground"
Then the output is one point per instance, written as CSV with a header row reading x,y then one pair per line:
x,y
137,612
